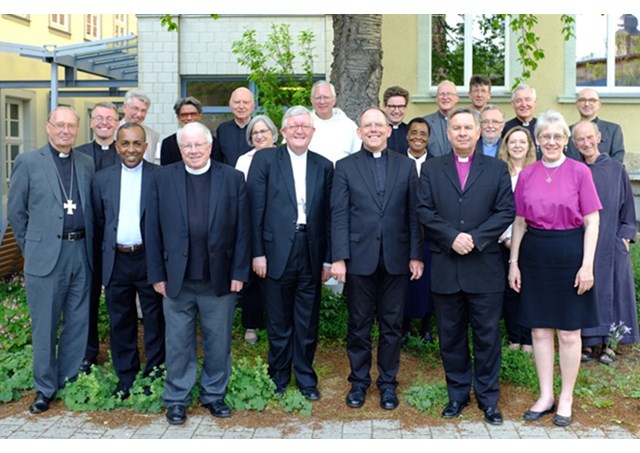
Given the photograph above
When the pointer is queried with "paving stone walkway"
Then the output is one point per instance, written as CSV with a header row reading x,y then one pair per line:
x,y
80,426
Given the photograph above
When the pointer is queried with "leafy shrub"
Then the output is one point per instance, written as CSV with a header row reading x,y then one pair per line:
x,y
518,368
16,373
430,397
334,316
146,392
250,387
91,391
15,324
293,401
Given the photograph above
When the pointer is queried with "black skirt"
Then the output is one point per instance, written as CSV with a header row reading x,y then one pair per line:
x,y
549,261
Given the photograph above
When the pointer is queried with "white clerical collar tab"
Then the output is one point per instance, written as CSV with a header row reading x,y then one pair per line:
x,y
199,171
63,155
377,155
463,160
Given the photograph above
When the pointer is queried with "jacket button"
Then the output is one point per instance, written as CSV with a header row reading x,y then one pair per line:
x,y
462,222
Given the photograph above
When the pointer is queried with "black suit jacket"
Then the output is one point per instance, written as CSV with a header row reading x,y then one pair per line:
x,y
169,151
274,210
167,229
484,209
106,208
360,224
110,156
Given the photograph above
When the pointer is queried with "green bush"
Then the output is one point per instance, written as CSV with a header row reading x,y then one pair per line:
x,y
293,401
15,324
429,397
91,391
250,387
334,317
16,373
518,368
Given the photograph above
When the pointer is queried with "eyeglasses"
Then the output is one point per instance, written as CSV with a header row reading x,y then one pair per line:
x,y
295,127
545,138
61,126
194,146
588,100
260,132
491,122
446,95
188,114
108,119
396,107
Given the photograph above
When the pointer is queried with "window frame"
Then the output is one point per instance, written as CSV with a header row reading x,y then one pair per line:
x,y
613,94
63,25
93,24
427,91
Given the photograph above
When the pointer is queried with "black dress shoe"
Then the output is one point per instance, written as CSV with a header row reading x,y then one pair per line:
x,y
492,416
176,414
218,408
121,392
561,420
279,393
388,399
532,416
427,337
40,404
454,409
355,397
311,393
85,366
404,340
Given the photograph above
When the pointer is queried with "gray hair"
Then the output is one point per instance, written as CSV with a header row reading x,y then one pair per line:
x,y
471,112
596,129
189,100
194,127
548,118
492,107
63,107
322,83
524,87
133,94
294,111
267,121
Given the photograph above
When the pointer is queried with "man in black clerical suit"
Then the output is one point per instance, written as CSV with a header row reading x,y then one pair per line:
x,y
465,204
104,123
188,110
120,195
289,189
395,100
231,136
198,253
376,248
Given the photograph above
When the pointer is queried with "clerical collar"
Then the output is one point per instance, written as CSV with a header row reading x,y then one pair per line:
x,y
375,154
57,153
134,169
199,171
556,163
105,147
395,126
464,160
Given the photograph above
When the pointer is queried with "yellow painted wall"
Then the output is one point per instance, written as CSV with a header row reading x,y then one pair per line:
x,y
399,35
36,32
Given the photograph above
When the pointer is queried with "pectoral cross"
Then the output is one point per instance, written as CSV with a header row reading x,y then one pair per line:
x,y
69,206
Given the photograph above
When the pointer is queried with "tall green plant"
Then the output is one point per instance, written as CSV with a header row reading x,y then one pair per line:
x,y
273,67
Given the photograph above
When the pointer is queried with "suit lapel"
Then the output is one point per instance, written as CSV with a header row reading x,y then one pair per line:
x,y
477,166
50,171
393,166
312,173
115,189
365,172
286,171
181,192
217,182
144,190
451,171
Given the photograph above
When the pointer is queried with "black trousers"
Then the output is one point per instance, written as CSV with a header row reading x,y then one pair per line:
x,y
378,296
292,305
455,313
128,279
252,304
93,340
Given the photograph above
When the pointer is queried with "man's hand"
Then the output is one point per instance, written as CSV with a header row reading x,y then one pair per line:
x,y
339,271
417,268
160,288
259,265
236,286
463,244
326,272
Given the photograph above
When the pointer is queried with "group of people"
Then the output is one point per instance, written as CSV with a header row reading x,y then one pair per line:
x,y
458,215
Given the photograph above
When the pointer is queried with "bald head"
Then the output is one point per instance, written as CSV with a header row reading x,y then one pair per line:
x,y
242,104
588,104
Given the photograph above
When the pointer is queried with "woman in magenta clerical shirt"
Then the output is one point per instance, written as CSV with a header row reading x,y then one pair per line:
x,y
551,263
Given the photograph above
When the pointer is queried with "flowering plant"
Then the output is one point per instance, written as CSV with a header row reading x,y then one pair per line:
x,y
616,333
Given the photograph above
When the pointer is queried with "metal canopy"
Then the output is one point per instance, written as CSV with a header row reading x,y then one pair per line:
x,y
115,59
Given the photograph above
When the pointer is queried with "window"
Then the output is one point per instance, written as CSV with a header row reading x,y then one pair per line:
x,y
457,46
14,134
214,93
60,22
92,26
607,50
120,25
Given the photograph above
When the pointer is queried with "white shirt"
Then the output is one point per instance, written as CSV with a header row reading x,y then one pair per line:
x,y
336,137
418,160
129,216
299,166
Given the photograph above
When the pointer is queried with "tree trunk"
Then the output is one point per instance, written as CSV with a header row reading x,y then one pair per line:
x,y
356,71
